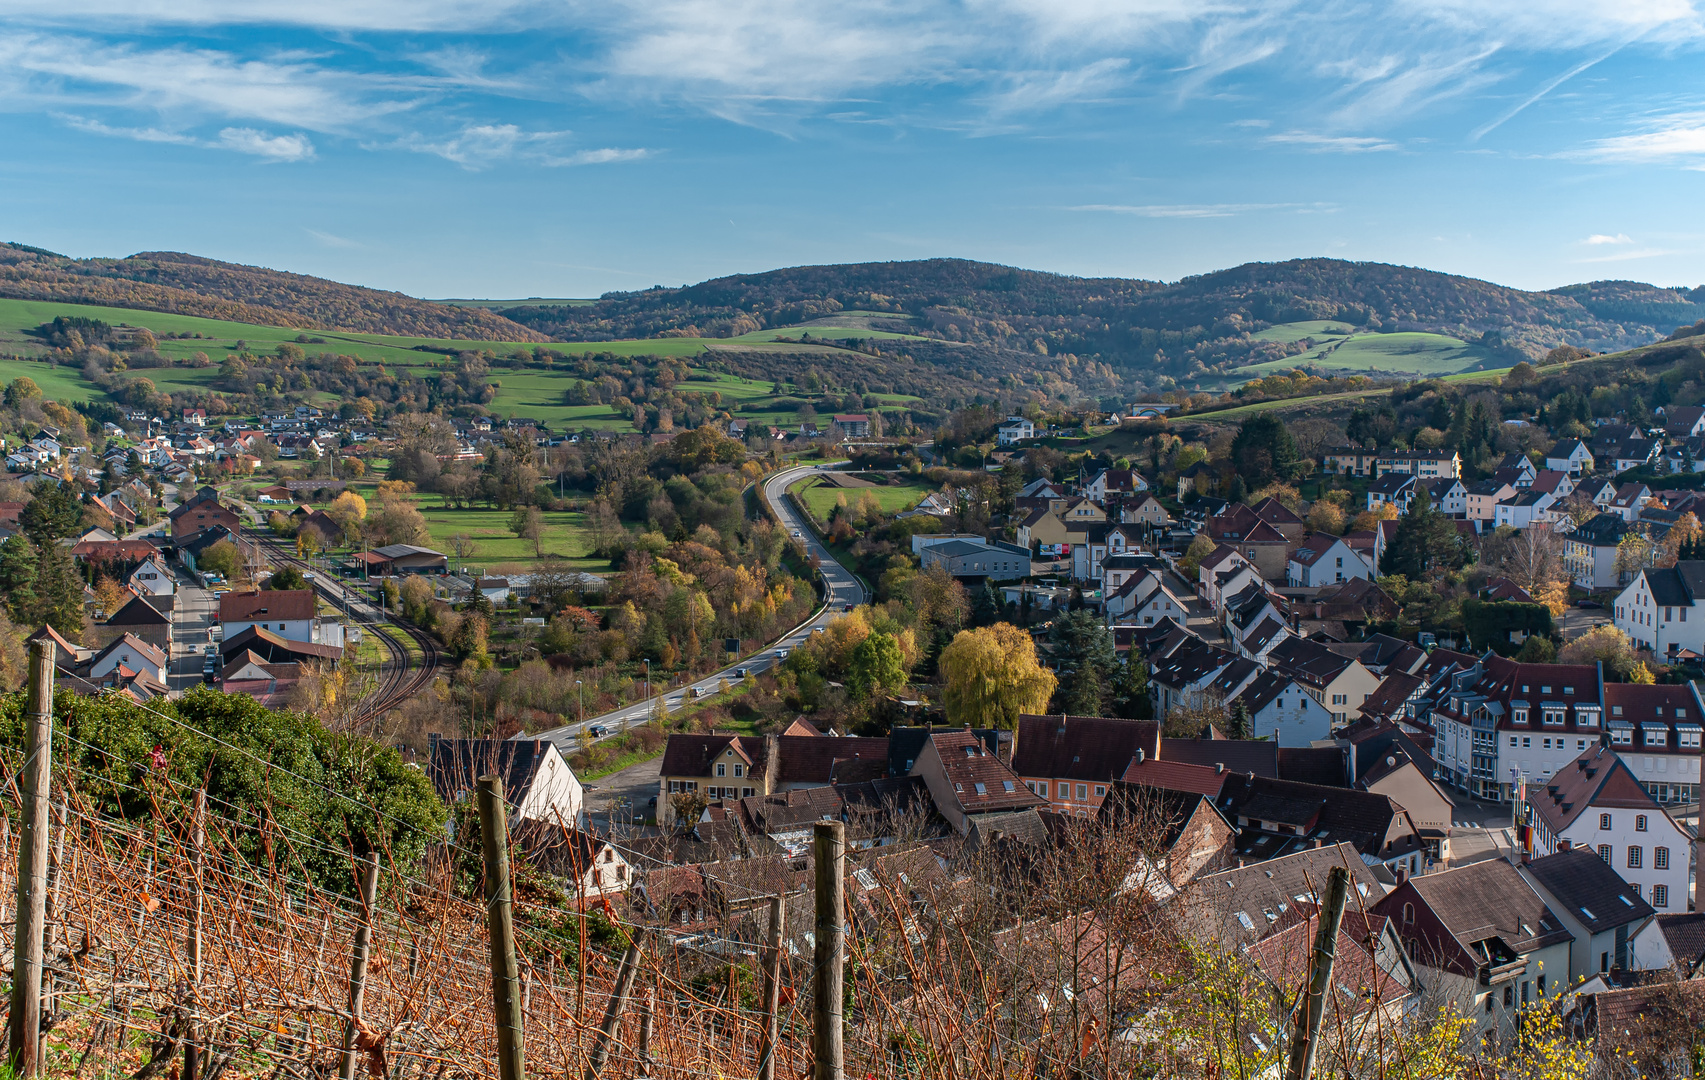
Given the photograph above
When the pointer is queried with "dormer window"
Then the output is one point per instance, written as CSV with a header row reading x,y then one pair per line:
x,y
1570,691
1656,737
1519,716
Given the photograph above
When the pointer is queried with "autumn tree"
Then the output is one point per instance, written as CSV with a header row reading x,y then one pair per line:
x,y
878,665
1605,643
528,523
1325,517
348,510
1368,520
992,676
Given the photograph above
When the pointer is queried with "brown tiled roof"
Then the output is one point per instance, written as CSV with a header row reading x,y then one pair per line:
x,y
1326,766
1376,825
1685,935
1258,756
968,766
271,645
1594,894
1393,692
1264,892
1095,748
137,611
1476,902
1286,958
137,646
812,759
1174,776
1637,1018
1274,512
267,605
1597,779
692,755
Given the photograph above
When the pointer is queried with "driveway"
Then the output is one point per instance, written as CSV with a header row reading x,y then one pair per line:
x,y
1577,621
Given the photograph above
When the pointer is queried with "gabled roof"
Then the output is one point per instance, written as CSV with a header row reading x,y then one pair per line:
x,y
1275,513
906,744
136,645
1589,889
1375,824
1166,775
1257,756
137,611
981,782
1080,747
1241,906
1596,780
1394,690
1286,959
1392,483
269,644
1565,448
457,764
1314,548
1480,902
267,605
1381,651
1309,660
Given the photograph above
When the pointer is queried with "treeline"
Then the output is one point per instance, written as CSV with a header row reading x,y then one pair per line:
x,y
190,285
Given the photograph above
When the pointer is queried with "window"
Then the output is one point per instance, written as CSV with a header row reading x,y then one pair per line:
x,y
1065,791
1512,740
721,769
1635,851
1660,893
1604,853
747,793
1580,744
1340,699
1100,790
1082,791
1489,1004
1527,740
1408,913
1660,858
1639,822
1604,821
739,770
1509,995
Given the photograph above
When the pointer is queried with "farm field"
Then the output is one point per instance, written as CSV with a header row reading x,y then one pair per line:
x,y
820,497
1318,329
57,383
1406,353
565,537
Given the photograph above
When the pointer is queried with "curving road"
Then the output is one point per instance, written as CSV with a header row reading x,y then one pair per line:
x,y
844,590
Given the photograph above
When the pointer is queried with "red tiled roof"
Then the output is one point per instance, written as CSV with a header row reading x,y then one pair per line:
x,y
267,605
1080,747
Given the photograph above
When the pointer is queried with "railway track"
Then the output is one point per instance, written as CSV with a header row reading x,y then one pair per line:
x,y
401,677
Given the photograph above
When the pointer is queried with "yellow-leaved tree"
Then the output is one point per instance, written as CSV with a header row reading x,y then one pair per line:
x,y
992,676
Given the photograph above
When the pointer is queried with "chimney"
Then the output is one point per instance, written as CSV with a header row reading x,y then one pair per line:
x,y
1402,874
1219,768
1140,756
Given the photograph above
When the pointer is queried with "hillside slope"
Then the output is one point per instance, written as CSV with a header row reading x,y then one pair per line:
x,y
190,285
1133,324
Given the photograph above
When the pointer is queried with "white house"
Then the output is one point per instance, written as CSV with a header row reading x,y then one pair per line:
x,y
131,652
151,578
1612,924
1656,731
1597,803
1143,600
1628,501
1015,429
1448,493
1324,559
1113,481
1570,456
1659,611
289,613
1281,710
1590,552
1218,566
1396,488
1527,508
538,784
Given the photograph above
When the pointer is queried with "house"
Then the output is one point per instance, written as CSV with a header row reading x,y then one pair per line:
x,y
1684,421
1570,456
1398,489
1526,509
1238,907
1101,543
200,513
1480,499
288,613
1659,608
1144,600
273,649
1108,482
1482,938
538,784
495,589
140,616
1448,493
1180,679
322,527
1070,761
1217,566
1366,997
1656,731
966,781
979,562
1628,501
1340,683
1145,511
1635,452
1419,463
727,767
1280,709
1497,721
1589,552
1198,479
1596,802
1611,924
249,673
1046,529
1324,559
404,559
1387,760
131,652
1014,429
1349,461
151,578
1184,836
1264,546
852,425
1039,494
589,866
1277,817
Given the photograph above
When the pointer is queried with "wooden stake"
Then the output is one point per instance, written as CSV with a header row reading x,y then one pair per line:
x,y
499,902
772,994
192,1051
613,1012
647,1009
25,1018
358,962
827,1009
1325,945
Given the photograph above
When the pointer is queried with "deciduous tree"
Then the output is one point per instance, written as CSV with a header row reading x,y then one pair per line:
x,y
992,676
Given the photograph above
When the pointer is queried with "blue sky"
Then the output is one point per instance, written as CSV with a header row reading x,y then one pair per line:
x,y
507,148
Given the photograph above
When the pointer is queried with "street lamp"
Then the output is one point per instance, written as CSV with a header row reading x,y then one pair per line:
x,y
582,694
648,677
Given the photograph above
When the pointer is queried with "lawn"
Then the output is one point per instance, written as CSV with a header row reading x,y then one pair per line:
x,y
565,537
820,497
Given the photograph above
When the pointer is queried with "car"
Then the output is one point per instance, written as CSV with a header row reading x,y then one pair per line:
x,y
816,629
741,673
652,802
797,535
699,691
210,649
1584,604
781,654
847,608
307,577
598,731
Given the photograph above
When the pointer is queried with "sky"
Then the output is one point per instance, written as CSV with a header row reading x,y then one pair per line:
x,y
507,148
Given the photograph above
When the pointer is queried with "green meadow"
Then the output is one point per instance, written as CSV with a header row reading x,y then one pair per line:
x,y
820,497
1407,353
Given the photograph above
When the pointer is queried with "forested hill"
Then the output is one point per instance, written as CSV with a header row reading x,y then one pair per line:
x,y
1125,321
190,285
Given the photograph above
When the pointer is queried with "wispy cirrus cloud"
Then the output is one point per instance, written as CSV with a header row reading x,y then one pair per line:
x,y
1331,144
1674,137
1598,239
481,146
292,147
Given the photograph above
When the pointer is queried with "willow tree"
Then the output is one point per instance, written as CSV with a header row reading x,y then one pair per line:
x,y
992,676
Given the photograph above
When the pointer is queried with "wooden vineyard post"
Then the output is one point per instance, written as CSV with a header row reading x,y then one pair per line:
x,y
1320,977
772,993
36,779
192,1037
613,1012
827,1006
358,962
499,903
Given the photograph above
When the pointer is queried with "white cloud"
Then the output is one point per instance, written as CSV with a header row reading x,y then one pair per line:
x,y
482,145
606,156
1336,144
95,127
1627,256
272,147
1680,136
1601,238
1030,91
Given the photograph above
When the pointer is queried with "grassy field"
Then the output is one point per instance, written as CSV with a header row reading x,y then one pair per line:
x,y
57,383
1318,329
1406,353
820,498
565,537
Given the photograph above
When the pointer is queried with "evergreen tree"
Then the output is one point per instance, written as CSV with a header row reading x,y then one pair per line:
x,y
1132,688
1426,539
1237,720
986,608
1264,450
18,577
59,591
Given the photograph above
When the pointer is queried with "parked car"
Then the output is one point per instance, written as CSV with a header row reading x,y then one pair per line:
x,y
847,608
797,535
816,629
1589,604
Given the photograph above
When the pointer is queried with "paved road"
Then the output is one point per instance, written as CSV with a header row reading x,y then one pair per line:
x,y
844,590
196,613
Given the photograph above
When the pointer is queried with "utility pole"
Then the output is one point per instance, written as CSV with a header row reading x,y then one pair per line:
x,y
36,779
827,963
499,902
1303,1046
